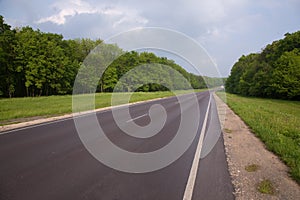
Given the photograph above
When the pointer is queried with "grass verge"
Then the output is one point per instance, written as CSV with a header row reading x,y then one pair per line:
x,y
14,109
276,123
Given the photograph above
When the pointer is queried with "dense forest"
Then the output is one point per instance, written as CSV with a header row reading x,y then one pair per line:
x,y
272,73
34,63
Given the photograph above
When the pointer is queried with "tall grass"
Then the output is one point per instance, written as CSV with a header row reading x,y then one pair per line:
x,y
276,123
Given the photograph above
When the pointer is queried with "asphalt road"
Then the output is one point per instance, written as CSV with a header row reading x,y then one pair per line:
x,y
49,161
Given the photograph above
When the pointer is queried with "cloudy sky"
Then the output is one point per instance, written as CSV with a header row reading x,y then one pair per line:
x,y
227,29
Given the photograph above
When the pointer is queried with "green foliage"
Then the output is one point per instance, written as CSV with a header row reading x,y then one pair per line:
x,y
151,70
44,61
34,63
274,73
286,75
7,53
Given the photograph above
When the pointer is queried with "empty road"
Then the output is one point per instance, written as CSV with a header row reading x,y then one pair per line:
x,y
49,161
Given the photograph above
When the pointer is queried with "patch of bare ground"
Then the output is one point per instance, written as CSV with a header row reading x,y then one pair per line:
x,y
253,169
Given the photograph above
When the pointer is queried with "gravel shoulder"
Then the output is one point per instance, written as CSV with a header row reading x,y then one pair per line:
x,y
244,149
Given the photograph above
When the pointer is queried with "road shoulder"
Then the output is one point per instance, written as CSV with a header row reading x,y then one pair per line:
x,y
250,163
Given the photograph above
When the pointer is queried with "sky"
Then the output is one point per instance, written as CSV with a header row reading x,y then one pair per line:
x,y
227,29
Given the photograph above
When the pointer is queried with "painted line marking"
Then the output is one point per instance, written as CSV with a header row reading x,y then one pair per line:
x,y
137,118
188,193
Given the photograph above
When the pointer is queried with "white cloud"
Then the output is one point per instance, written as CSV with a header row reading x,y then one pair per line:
x,y
70,8
130,19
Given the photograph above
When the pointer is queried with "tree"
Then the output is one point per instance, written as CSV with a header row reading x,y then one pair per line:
x,y
286,76
7,56
274,73
232,83
34,63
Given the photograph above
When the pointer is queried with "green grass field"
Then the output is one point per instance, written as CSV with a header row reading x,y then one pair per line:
x,y
21,109
276,123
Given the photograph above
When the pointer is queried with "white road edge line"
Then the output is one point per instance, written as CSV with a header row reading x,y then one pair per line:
x,y
136,118
188,193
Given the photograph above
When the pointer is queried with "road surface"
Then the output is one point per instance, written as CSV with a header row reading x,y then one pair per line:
x,y
49,161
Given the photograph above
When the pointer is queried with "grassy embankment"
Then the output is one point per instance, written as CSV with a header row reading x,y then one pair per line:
x,y
276,123
16,109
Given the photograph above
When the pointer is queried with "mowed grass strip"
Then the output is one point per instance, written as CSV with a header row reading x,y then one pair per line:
x,y
276,123
19,108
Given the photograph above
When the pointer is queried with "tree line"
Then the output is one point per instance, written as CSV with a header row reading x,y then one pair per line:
x,y
34,63
272,73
